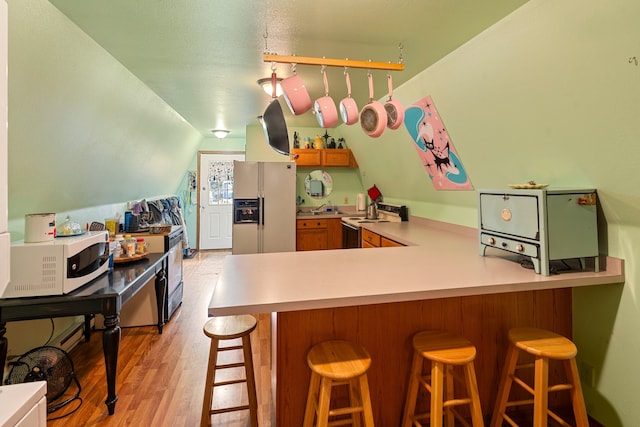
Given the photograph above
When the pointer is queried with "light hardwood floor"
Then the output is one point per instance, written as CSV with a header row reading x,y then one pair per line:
x,y
160,379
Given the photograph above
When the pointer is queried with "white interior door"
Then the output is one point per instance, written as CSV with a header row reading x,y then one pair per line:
x,y
216,200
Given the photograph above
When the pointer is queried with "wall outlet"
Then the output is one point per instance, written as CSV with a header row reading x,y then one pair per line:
x,y
346,200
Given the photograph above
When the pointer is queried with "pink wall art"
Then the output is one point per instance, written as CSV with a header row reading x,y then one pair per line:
x,y
434,147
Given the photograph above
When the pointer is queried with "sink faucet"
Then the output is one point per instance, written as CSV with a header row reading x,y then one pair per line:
x,y
320,208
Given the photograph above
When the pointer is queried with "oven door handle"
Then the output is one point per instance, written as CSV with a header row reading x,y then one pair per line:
x,y
351,226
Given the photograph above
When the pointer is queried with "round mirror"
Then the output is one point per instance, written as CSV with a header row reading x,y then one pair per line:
x,y
318,184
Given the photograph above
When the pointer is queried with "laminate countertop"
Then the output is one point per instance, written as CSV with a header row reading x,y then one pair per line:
x,y
440,260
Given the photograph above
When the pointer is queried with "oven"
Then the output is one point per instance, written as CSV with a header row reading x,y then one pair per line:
x,y
350,235
543,225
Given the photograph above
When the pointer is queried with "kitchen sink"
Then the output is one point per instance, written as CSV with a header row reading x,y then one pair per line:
x,y
320,213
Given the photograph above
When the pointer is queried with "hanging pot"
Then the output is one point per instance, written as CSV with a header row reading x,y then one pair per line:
x,y
395,110
295,95
324,108
348,106
373,117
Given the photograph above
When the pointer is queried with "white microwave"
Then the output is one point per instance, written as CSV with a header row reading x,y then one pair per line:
x,y
57,267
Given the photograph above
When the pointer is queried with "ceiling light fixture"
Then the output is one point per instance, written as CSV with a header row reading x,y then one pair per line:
x,y
266,84
220,133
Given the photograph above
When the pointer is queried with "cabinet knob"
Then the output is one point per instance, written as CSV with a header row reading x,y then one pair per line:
x,y
520,247
492,241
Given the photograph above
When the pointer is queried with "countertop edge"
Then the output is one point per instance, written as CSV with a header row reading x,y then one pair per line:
x,y
289,297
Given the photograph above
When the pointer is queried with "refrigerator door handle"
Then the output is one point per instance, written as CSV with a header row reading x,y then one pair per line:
x,y
262,210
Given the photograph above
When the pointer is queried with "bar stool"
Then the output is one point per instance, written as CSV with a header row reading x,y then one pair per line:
x,y
445,351
335,363
228,328
543,345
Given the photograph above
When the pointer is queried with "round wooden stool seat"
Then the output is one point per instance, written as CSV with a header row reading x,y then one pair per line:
x,y
445,351
224,328
444,347
543,343
544,346
338,363
229,327
338,360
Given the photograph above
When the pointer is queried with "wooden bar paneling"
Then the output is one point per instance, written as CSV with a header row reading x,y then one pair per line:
x,y
385,330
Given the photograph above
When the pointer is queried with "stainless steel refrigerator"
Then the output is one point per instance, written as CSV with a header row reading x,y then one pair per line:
x,y
264,207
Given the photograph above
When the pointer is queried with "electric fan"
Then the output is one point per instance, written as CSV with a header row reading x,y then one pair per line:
x,y
49,364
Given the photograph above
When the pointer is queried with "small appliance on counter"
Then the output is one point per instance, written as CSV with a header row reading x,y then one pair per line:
x,y
542,224
57,267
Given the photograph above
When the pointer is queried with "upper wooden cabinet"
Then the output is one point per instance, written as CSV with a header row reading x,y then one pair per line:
x,y
331,157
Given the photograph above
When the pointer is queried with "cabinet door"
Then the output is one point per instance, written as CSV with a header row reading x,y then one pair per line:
x,y
312,239
307,156
335,157
386,243
334,227
370,238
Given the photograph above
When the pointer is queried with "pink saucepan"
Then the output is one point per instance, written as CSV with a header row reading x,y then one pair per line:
x,y
324,107
395,110
348,106
296,95
373,117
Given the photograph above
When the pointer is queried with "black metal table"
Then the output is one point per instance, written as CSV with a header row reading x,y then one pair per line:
x,y
105,295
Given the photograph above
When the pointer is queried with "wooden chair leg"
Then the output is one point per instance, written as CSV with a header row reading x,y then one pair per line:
x,y
324,399
449,391
355,400
412,390
310,410
251,380
205,419
505,386
437,393
577,398
541,392
365,399
472,389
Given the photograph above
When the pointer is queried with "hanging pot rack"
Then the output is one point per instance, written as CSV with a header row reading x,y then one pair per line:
x,y
350,63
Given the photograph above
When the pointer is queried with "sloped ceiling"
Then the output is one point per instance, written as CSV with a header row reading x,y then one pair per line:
x,y
203,57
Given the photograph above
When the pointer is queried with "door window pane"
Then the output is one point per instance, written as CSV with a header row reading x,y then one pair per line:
x,y
220,179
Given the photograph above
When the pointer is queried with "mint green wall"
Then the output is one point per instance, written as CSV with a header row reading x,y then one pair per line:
x,y
83,131
547,94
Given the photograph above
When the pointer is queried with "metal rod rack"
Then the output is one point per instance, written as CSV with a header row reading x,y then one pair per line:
x,y
350,63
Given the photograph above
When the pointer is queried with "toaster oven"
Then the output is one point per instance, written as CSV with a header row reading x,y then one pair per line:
x,y
57,267
542,224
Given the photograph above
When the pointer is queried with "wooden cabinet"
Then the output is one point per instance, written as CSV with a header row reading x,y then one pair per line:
x,y
387,243
307,156
333,157
318,234
370,239
311,234
374,240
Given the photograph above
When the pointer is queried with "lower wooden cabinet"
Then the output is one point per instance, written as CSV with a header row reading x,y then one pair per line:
x,y
318,234
370,239
387,243
374,240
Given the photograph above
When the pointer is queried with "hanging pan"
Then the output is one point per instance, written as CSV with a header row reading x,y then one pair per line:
x,y
348,106
395,110
373,117
324,108
274,125
295,93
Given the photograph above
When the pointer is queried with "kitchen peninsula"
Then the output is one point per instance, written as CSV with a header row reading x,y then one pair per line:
x,y
380,297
